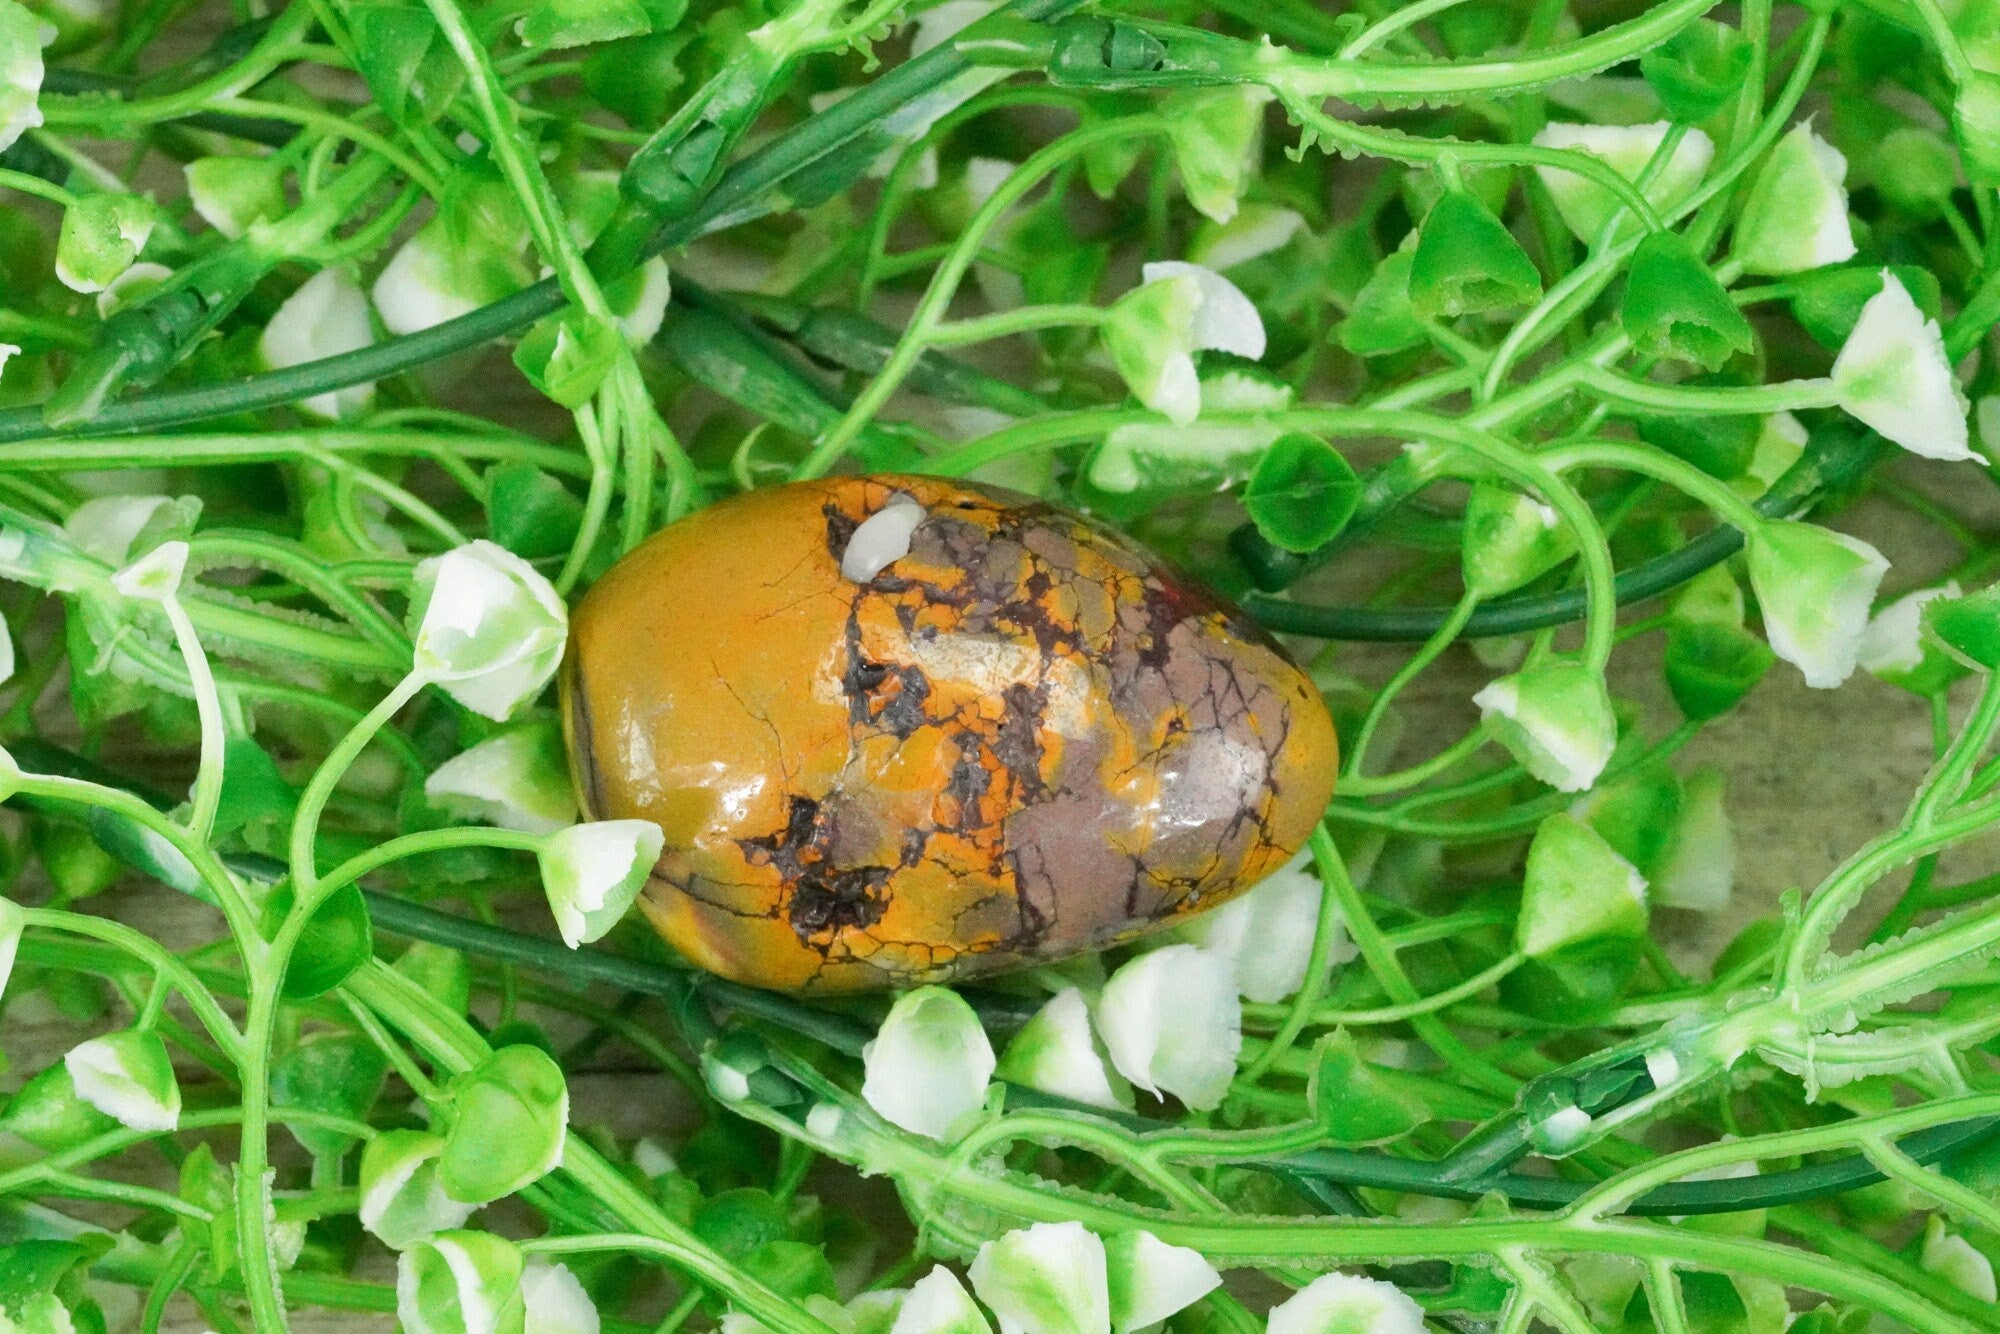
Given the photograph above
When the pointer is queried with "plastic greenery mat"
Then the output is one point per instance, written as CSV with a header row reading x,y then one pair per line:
x,y
346,340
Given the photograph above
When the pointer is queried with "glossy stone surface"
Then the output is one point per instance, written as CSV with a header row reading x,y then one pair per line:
x,y
1023,739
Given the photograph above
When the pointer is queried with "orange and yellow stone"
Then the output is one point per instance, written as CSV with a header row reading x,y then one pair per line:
x,y
1022,739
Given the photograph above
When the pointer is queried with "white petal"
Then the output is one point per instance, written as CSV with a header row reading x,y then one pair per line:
x,y
1556,719
516,780
1151,1280
1795,215
1172,1022
929,1067
1893,641
1893,374
1266,933
1226,320
491,629
484,1272
12,922
1700,868
1054,1053
1586,206
939,1304
1177,392
1780,442
1958,1262
155,576
882,539
1256,230
415,289
984,175
592,873
1347,1304
876,1311
653,1158
1815,603
556,1302
135,284
402,1201
106,526
648,309
21,42
1045,1279
99,1068
326,316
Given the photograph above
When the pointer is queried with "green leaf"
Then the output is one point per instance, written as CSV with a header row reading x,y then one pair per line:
x,y
1150,335
568,356
737,1222
1636,816
1302,493
340,1074
400,50
1467,261
461,1283
1057,266
530,512
75,863
1969,626
102,234
48,1113
1576,888
560,24
1215,132
338,940
1674,307
441,971
1720,446
204,1182
509,1118
1915,169
231,193
1352,1103
1381,320
638,77
1711,665
795,1270
1509,539
1698,69
252,787
39,1268
1827,304
401,1201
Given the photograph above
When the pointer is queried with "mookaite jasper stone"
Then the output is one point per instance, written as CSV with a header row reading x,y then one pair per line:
x,y
1021,740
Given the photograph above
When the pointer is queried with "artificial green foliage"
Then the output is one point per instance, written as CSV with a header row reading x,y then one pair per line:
x,y
1827,303
1674,307
1969,626
1353,1104
1698,69
1723,447
1301,493
1711,666
1526,374
1381,318
1975,122
1466,262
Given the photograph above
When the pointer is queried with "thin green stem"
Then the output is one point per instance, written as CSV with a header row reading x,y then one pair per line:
x,y
944,283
